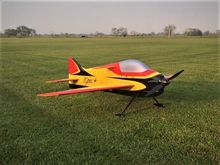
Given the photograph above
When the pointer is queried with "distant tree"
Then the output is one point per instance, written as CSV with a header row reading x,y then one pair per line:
x,y
52,34
122,31
134,33
206,33
33,32
66,34
217,32
193,32
24,31
20,31
10,32
168,30
114,31
97,33
151,34
160,33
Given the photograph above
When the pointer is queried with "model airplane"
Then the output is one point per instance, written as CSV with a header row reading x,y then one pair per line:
x,y
129,77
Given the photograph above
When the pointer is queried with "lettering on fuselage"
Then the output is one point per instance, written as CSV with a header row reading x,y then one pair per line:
x,y
88,80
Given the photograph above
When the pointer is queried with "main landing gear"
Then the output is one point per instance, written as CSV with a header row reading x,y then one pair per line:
x,y
132,99
121,113
157,103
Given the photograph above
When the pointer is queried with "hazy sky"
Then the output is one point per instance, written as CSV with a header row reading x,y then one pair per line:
x,y
86,17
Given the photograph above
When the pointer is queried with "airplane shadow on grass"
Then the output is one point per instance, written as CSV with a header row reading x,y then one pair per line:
x,y
192,91
183,93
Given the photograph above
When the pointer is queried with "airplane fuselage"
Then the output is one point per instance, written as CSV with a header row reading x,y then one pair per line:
x,y
97,76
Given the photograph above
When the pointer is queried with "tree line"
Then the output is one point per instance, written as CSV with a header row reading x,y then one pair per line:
x,y
20,31
169,31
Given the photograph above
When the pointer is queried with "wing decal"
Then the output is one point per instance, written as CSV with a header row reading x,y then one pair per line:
x,y
61,80
84,90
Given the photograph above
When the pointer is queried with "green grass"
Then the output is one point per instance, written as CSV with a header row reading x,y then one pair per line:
x,y
82,129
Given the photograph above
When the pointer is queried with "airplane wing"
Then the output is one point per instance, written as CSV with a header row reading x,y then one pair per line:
x,y
61,80
85,89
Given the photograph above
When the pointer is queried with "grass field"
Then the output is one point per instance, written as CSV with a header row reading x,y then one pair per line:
x,y
82,129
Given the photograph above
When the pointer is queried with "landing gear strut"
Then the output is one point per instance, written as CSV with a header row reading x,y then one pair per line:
x,y
121,113
157,103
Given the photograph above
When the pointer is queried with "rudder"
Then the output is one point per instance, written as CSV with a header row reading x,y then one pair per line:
x,y
75,68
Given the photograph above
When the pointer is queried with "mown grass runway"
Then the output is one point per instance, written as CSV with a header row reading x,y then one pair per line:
x,y
82,129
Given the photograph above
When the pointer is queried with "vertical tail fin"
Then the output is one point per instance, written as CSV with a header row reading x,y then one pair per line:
x,y
75,68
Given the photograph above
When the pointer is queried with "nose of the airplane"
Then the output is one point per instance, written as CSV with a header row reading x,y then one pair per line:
x,y
164,81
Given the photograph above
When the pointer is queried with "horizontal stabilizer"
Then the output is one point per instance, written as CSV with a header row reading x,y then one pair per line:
x,y
85,89
61,80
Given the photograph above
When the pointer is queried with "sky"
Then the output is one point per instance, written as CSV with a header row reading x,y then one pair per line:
x,y
91,16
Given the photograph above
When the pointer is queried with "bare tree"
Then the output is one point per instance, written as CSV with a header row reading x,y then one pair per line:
x,y
169,30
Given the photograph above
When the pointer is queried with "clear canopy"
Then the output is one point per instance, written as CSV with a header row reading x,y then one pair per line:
x,y
132,66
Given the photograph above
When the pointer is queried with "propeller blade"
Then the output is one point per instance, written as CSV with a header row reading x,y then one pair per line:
x,y
174,76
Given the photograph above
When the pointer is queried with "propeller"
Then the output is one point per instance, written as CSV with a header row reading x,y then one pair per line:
x,y
161,83
173,76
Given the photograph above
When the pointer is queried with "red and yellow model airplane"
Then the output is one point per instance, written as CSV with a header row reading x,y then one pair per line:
x,y
129,77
